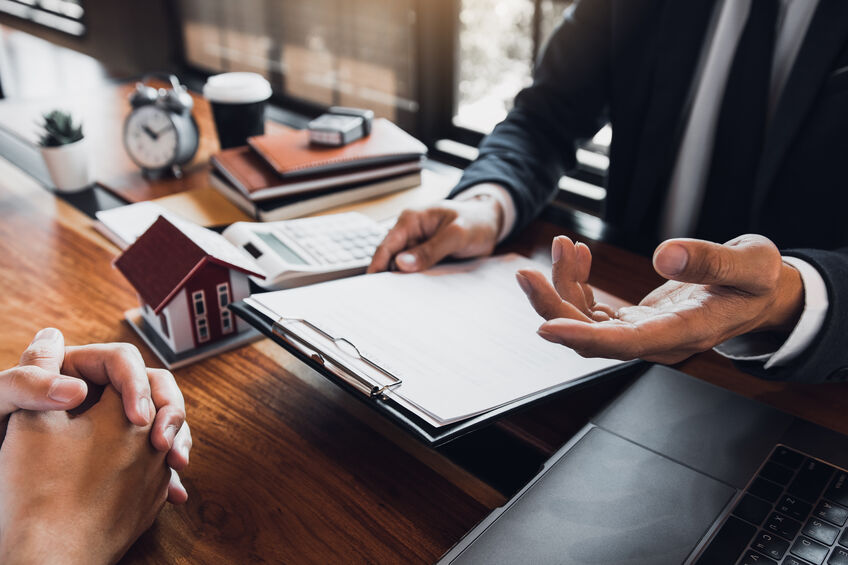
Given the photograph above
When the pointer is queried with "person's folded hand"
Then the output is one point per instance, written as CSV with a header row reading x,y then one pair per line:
x,y
422,238
77,488
51,376
715,292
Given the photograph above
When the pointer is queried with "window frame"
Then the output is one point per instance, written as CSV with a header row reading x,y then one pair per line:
x,y
46,18
223,291
201,295
201,321
436,79
227,325
201,325
445,128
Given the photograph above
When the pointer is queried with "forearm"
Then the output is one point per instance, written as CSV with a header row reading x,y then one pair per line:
x,y
528,152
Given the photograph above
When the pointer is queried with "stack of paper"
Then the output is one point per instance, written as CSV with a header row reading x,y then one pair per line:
x,y
461,338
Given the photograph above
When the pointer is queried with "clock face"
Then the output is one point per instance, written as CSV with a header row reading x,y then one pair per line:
x,y
151,138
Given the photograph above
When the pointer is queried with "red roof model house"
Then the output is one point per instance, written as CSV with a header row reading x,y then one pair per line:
x,y
185,277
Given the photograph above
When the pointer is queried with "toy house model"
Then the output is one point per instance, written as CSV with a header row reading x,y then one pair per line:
x,y
185,277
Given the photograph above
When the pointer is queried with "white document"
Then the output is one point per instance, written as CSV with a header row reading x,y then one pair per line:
x,y
462,338
123,225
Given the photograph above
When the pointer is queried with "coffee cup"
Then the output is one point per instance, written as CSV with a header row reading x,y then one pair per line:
x,y
238,103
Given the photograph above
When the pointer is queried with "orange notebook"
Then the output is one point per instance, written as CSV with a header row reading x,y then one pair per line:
x,y
292,156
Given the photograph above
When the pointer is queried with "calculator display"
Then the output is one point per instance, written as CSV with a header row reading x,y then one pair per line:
x,y
280,248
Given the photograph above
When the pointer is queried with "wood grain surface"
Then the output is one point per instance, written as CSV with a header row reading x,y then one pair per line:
x,y
286,467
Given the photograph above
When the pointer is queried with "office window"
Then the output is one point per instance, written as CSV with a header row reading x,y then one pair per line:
x,y
498,44
199,303
447,71
63,15
325,52
499,41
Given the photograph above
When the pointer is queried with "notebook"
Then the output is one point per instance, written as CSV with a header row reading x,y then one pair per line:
x,y
257,181
291,155
297,205
440,352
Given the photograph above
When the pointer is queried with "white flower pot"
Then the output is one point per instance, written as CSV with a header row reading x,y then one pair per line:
x,y
68,166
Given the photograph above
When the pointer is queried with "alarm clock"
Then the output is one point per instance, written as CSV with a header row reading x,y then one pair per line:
x,y
160,133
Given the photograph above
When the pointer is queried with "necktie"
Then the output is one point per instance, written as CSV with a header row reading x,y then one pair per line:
x,y
740,129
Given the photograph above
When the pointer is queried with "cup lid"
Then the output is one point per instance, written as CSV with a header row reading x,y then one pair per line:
x,y
237,88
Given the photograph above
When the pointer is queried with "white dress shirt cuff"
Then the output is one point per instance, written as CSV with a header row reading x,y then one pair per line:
x,y
501,196
764,348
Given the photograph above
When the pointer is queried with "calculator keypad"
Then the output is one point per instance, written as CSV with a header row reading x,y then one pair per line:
x,y
335,240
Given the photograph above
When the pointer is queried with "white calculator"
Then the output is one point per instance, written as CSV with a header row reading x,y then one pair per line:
x,y
304,251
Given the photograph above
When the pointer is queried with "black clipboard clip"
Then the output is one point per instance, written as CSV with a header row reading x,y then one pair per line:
x,y
353,376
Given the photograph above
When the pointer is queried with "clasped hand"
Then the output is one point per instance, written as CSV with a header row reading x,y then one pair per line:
x,y
714,292
82,488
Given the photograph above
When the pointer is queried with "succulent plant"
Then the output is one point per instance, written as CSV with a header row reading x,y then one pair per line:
x,y
59,129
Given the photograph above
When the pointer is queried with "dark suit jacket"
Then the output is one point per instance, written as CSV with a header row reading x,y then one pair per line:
x,y
632,62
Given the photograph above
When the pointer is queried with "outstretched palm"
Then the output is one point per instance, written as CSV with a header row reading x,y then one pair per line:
x,y
721,291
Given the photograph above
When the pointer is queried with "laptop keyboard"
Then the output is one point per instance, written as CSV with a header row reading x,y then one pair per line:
x,y
794,512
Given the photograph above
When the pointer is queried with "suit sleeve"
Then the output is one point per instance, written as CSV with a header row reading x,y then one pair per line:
x,y
529,151
826,358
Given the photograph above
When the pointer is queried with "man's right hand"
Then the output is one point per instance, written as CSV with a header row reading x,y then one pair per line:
x,y
451,228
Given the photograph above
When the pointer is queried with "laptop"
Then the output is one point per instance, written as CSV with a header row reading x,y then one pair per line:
x,y
676,470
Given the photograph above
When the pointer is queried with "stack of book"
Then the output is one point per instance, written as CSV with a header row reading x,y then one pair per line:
x,y
282,176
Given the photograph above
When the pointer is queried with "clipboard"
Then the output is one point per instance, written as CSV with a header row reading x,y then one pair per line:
x,y
373,394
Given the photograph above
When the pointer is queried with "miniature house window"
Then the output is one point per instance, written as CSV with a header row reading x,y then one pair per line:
x,y
163,320
223,295
226,321
199,303
202,330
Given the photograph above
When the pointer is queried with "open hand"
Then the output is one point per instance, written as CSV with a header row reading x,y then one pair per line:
x,y
50,376
715,292
452,228
77,489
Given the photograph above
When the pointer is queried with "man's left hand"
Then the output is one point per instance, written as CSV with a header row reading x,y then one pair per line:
x,y
714,292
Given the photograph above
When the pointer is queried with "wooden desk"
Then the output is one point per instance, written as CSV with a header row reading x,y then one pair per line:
x,y
286,468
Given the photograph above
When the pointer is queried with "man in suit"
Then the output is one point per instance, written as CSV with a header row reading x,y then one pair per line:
x,y
729,117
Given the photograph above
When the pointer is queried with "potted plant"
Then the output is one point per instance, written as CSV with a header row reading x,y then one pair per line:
x,y
65,152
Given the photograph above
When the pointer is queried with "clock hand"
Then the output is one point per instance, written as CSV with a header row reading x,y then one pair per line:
x,y
163,130
152,134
